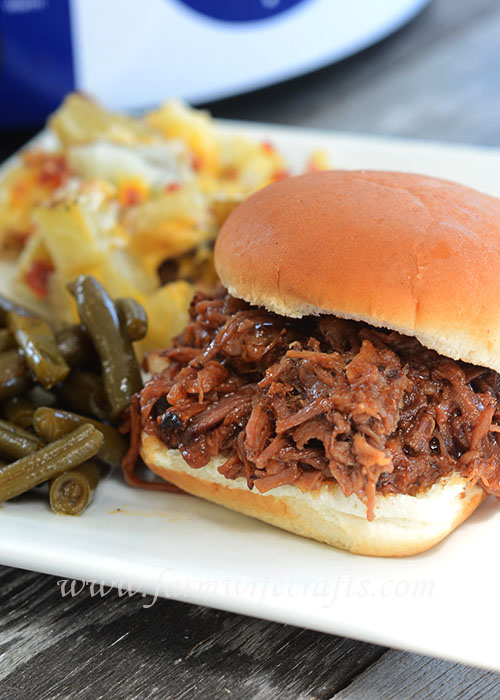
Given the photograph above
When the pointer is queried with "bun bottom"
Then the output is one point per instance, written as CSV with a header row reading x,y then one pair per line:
x,y
403,525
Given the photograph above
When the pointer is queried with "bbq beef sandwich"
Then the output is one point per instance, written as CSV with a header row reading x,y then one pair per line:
x,y
345,385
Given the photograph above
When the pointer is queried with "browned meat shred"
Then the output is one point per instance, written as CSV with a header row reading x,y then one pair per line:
x,y
321,399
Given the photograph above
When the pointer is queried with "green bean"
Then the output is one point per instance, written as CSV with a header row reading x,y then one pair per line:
x,y
6,306
83,392
71,491
19,410
15,442
37,341
76,348
120,369
73,342
7,340
51,423
53,459
15,378
133,318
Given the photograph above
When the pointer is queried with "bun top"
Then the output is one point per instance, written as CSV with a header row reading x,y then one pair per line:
x,y
408,252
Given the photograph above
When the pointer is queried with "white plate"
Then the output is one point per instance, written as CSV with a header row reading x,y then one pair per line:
x,y
442,602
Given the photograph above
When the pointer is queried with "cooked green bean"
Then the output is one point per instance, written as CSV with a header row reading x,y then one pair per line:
x,y
53,459
37,341
19,410
6,305
76,348
7,340
133,318
83,392
120,369
15,442
71,491
15,378
51,423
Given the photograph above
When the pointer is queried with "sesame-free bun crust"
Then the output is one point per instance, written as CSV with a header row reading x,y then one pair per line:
x,y
413,253
403,525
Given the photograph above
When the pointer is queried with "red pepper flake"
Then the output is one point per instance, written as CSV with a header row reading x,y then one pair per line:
x,y
196,162
37,277
173,187
280,175
268,147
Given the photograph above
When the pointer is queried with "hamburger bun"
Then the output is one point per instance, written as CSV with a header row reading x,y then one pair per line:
x,y
403,525
408,252
411,253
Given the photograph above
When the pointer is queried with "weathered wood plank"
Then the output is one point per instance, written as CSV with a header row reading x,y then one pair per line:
x,y
431,97
437,78
402,676
88,647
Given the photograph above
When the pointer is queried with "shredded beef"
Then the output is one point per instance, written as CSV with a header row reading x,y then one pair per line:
x,y
321,399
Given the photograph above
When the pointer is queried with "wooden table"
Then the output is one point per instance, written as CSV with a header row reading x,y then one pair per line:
x,y
437,78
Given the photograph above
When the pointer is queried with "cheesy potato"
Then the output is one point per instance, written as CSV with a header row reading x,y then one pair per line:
x,y
135,202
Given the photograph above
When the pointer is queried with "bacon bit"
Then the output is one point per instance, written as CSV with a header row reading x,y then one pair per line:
x,y
230,173
37,277
53,167
268,147
130,196
196,162
173,187
54,172
132,192
280,175
19,192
